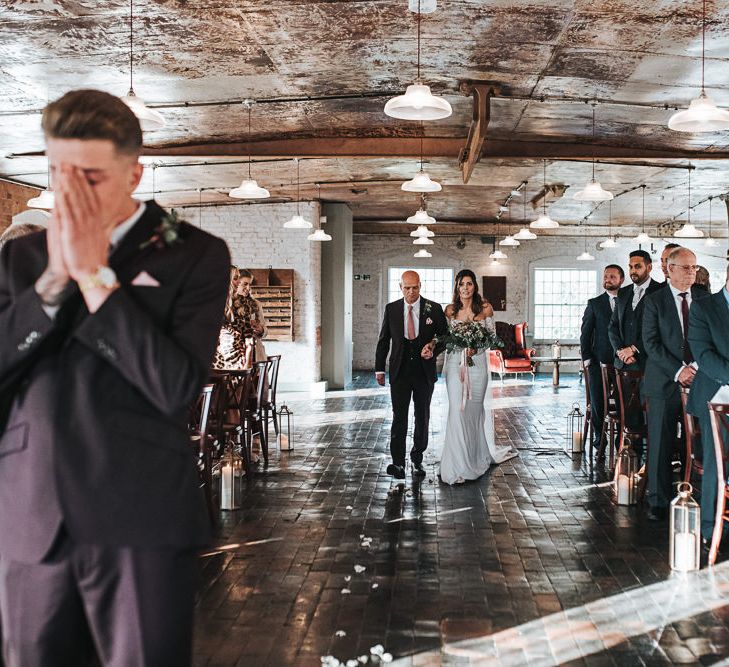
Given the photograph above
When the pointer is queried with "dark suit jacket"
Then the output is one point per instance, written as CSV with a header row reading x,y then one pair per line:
x,y
617,333
96,437
663,341
709,341
594,340
432,323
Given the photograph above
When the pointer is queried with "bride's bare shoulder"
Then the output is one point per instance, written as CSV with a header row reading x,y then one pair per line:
x,y
487,311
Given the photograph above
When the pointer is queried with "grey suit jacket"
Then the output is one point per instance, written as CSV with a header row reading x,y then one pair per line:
x,y
663,341
709,340
96,436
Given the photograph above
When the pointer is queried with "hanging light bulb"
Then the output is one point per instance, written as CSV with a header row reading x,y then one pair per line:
x,y
422,231
593,191
422,253
702,115
297,221
421,182
584,257
543,221
610,241
711,242
319,235
497,254
249,188
149,119
642,237
418,103
688,231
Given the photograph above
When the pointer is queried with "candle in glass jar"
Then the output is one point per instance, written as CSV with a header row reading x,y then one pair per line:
x,y
684,552
623,490
226,487
284,441
576,441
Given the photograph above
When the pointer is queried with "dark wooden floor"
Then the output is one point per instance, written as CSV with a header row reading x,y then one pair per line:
x,y
530,565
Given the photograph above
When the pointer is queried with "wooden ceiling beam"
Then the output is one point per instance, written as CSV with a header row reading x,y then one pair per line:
x,y
471,153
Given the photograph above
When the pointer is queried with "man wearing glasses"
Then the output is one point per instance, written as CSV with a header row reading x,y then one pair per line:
x,y
671,366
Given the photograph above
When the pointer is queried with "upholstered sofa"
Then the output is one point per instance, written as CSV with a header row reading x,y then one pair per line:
x,y
515,357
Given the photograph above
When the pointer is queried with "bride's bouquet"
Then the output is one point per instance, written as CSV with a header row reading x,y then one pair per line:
x,y
474,335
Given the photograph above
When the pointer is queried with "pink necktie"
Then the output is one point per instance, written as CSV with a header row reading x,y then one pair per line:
x,y
411,324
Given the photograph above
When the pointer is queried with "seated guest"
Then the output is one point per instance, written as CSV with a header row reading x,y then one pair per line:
x,y
671,366
708,326
702,278
595,347
670,247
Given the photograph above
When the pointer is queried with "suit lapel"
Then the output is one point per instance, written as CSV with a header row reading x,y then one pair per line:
x,y
722,311
421,320
669,304
141,232
398,326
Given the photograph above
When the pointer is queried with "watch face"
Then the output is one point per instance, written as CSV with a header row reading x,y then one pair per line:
x,y
106,276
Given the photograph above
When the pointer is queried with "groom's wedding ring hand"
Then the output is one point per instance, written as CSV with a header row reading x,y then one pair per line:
x,y
427,352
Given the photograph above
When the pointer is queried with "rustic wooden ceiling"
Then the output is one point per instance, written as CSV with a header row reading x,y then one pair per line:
x,y
321,72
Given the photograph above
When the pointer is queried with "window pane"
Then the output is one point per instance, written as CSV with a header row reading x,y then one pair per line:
x,y
436,283
560,296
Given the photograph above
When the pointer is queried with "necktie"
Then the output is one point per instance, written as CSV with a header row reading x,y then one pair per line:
x,y
411,324
687,356
612,302
637,296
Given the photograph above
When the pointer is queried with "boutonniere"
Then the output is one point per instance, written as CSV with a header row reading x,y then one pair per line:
x,y
166,234
427,307
429,321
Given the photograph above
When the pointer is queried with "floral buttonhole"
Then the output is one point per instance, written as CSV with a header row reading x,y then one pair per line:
x,y
166,234
429,321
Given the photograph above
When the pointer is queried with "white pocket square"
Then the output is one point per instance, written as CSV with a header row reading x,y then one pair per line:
x,y
144,279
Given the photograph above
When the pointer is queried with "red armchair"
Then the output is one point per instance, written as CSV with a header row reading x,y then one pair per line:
x,y
515,357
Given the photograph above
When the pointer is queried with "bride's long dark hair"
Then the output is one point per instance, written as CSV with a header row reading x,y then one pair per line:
x,y
477,303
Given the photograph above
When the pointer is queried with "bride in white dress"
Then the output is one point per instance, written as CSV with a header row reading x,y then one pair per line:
x,y
469,447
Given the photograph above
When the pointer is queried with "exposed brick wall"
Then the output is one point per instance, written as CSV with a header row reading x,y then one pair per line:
x,y
13,200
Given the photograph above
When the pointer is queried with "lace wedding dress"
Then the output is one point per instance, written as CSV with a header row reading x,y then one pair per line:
x,y
469,446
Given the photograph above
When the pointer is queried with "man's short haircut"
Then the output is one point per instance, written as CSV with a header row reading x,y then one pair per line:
x,y
643,255
93,114
672,245
617,267
16,231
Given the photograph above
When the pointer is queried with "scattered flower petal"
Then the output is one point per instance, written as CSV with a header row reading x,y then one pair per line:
x,y
340,633
349,507
346,591
363,659
375,585
377,649
359,569
386,657
352,663
348,577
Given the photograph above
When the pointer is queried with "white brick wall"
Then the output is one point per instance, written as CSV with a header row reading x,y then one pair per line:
x,y
256,239
374,254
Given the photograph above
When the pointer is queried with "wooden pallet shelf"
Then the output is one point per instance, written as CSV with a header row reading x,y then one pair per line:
x,y
274,290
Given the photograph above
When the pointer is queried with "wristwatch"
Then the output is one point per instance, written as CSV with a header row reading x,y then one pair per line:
x,y
104,277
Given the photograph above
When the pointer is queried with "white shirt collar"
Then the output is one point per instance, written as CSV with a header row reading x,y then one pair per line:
x,y
644,284
120,231
676,291
416,305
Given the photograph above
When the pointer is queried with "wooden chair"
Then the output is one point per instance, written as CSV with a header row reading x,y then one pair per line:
x,y
692,432
235,392
515,357
270,408
200,439
631,405
587,430
719,414
611,412
255,419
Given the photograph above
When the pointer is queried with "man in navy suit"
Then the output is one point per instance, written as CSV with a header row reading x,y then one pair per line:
x,y
595,346
709,340
109,321
408,327
670,366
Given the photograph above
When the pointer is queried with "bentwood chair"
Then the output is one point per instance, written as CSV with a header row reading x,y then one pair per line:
x,y
611,414
587,429
632,416
719,414
200,440
255,417
270,407
692,430
236,391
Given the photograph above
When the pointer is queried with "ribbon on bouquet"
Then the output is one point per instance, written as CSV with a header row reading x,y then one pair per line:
x,y
465,380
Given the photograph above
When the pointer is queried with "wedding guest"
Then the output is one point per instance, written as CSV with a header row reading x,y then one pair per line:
x,y
702,278
109,323
707,336
16,231
595,347
625,331
249,313
670,247
671,366
230,354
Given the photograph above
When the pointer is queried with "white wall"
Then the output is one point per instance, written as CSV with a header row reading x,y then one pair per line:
x,y
374,254
256,239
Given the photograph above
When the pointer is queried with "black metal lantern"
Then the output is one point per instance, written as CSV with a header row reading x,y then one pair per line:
x,y
285,429
229,472
573,440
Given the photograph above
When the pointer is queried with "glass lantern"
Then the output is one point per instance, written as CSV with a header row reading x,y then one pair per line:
x,y
625,483
285,429
573,440
556,350
230,479
685,536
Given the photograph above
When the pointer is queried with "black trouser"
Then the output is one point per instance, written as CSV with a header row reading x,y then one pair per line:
x,y
410,382
134,605
663,415
596,400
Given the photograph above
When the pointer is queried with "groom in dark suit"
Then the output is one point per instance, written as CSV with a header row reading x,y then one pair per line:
x,y
670,366
709,340
408,330
109,323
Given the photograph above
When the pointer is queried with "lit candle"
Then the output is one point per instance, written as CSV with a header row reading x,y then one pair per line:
x,y
284,441
623,490
684,552
226,487
576,441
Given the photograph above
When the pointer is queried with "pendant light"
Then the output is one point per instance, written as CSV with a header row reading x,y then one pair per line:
x,y
421,216
585,256
524,234
593,191
149,119
422,253
497,254
610,241
642,237
319,234
422,231
418,103
543,221
688,231
702,115
422,240
45,199
297,222
509,240
421,181
711,242
249,189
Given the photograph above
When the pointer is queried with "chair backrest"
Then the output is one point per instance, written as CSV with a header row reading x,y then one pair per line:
x,y
690,423
506,332
719,414
610,399
199,414
520,335
273,377
240,391
260,371
629,395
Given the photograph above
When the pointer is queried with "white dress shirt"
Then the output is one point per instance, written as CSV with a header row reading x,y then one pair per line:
x,y
416,316
117,234
642,287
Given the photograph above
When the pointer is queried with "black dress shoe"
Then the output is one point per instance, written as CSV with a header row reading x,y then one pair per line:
x,y
657,514
418,469
398,472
